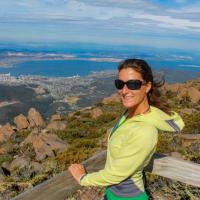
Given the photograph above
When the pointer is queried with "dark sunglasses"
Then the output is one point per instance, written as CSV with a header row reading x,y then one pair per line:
x,y
131,84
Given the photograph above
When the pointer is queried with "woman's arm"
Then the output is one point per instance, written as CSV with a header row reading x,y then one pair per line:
x,y
137,148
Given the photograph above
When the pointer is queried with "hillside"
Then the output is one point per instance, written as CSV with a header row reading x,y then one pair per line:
x,y
34,150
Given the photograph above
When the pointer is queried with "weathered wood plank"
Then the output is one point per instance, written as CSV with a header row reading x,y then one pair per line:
x,y
176,169
60,186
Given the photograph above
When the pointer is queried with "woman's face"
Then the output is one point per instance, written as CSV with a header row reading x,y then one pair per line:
x,y
132,98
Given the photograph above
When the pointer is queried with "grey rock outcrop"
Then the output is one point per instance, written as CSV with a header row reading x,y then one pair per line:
x,y
19,162
45,145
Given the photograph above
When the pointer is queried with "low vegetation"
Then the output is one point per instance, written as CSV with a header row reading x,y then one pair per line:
x,y
86,135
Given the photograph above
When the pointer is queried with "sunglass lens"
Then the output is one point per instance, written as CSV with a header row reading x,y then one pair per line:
x,y
134,84
119,84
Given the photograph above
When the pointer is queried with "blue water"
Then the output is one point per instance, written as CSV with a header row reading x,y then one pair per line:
x,y
62,68
58,68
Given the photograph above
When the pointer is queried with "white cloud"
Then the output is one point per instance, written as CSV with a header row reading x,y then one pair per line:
x,y
169,21
127,17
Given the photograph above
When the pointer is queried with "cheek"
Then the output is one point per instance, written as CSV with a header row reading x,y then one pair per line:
x,y
139,94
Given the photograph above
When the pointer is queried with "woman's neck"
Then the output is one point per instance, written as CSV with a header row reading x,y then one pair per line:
x,y
139,109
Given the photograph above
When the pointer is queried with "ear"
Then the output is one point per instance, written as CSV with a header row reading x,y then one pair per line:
x,y
148,87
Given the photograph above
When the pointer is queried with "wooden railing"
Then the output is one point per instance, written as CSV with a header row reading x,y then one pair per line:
x,y
63,184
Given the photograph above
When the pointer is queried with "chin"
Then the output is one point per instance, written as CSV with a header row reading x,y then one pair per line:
x,y
129,105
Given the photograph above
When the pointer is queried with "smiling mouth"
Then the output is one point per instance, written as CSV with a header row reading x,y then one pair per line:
x,y
127,97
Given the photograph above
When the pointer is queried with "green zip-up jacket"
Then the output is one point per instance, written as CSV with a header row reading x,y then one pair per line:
x,y
130,147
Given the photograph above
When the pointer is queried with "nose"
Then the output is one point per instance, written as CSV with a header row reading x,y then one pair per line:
x,y
125,89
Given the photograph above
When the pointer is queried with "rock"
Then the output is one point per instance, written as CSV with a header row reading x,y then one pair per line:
x,y
56,144
56,125
189,89
71,114
6,164
2,150
19,162
39,90
188,139
113,98
96,112
45,145
194,94
45,131
6,132
172,87
182,93
21,122
34,117
5,171
8,147
30,137
42,150
21,168
56,117
188,111
37,167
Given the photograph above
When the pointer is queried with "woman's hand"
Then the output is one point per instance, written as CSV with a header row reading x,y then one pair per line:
x,y
77,170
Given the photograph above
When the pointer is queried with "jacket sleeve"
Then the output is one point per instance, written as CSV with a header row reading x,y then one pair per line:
x,y
131,157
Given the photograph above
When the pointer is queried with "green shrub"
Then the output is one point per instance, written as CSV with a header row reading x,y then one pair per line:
x,y
192,123
86,143
4,158
168,142
107,117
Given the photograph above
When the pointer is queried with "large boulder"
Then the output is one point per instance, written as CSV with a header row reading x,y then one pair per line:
x,y
42,149
2,150
194,94
22,168
189,89
21,122
96,112
45,145
171,87
6,132
19,162
37,167
182,93
34,117
56,125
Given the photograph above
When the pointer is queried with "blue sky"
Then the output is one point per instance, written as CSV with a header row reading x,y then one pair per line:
x,y
157,23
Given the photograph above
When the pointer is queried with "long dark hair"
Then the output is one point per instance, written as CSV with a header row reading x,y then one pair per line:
x,y
144,69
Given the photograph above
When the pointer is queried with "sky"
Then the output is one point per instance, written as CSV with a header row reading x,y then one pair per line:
x,y
156,23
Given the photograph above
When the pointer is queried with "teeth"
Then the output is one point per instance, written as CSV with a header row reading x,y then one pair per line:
x,y
127,97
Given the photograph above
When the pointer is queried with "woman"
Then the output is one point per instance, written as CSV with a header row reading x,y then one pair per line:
x,y
132,142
